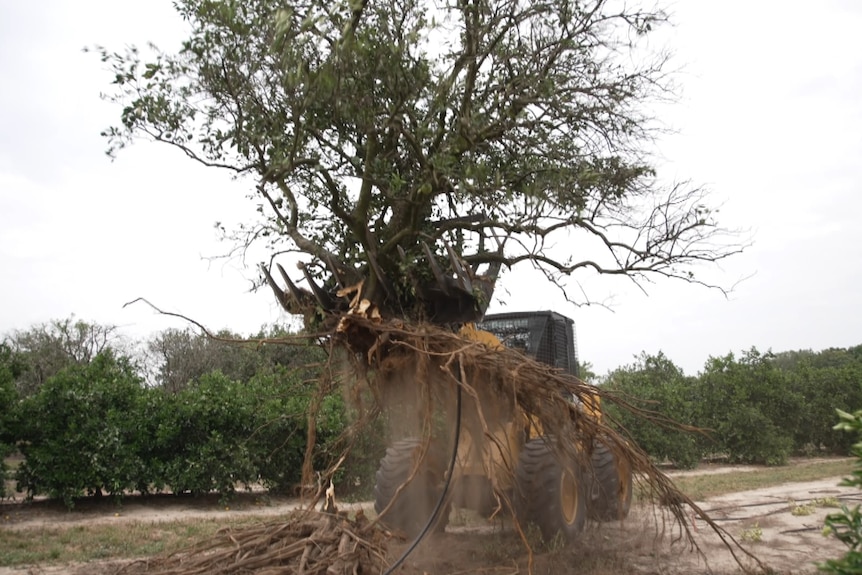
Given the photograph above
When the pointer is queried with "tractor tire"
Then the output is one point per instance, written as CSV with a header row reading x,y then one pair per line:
x,y
610,485
415,503
548,494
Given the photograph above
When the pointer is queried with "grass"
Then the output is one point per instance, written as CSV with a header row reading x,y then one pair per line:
x,y
801,510
827,502
753,534
82,543
700,487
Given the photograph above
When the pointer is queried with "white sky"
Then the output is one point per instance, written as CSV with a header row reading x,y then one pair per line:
x,y
770,121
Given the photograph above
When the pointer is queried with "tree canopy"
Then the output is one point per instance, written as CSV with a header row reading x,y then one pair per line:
x,y
420,146
45,349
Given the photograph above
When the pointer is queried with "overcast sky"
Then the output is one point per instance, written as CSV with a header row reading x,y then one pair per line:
x,y
770,120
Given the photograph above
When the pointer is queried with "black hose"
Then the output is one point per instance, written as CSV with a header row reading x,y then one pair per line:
x,y
433,519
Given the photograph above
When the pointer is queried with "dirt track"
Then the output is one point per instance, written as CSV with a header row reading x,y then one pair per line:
x,y
787,543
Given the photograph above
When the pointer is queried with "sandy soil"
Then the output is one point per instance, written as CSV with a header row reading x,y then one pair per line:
x,y
787,543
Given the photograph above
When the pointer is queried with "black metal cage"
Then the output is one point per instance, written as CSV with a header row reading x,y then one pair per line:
x,y
547,336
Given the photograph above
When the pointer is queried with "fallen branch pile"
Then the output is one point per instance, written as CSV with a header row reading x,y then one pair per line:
x,y
304,543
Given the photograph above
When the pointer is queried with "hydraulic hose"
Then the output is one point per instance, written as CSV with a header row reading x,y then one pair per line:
x,y
433,518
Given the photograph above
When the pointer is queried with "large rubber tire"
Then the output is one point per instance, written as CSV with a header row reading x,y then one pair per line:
x,y
548,494
610,485
415,503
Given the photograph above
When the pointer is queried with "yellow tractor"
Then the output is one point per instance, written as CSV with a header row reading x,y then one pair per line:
x,y
510,462
504,461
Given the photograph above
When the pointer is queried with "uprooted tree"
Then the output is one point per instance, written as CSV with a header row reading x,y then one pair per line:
x,y
409,150
376,134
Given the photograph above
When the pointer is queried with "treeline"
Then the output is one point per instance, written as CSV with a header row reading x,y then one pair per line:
x,y
88,412
752,408
91,414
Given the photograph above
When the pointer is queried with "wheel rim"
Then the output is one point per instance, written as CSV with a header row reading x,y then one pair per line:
x,y
569,496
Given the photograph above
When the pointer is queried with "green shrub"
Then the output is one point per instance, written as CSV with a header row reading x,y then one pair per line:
x,y
200,437
279,442
655,384
8,412
218,434
846,525
79,434
751,407
750,437
95,428
825,388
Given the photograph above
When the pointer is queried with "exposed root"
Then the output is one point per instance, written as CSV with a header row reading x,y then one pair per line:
x,y
306,543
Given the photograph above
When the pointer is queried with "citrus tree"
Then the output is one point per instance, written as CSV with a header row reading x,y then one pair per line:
x,y
422,146
655,384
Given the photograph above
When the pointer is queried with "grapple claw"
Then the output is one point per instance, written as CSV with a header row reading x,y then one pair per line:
x,y
280,294
435,269
323,298
462,277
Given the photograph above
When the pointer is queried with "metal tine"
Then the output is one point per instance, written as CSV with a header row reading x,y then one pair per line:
x,y
280,294
339,279
294,291
461,276
323,298
435,269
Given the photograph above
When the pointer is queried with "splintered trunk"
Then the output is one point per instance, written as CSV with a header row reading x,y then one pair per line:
x,y
447,292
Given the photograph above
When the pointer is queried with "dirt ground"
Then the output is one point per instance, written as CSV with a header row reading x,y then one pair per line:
x,y
645,544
